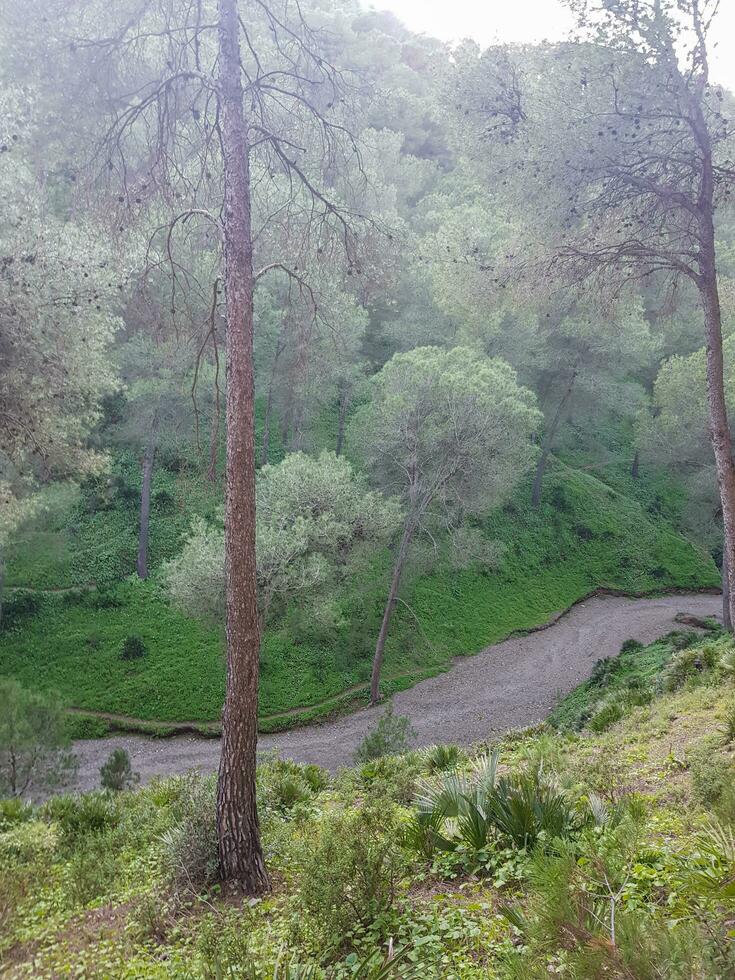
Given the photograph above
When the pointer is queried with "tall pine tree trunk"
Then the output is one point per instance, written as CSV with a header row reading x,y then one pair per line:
x,y
726,616
719,425
141,565
238,831
721,438
408,532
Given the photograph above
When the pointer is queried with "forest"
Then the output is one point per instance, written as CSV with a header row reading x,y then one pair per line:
x,y
367,494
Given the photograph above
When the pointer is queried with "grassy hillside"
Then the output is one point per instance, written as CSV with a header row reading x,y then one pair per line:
x,y
620,862
584,536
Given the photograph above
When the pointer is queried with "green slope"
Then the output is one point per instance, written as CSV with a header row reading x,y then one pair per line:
x,y
584,536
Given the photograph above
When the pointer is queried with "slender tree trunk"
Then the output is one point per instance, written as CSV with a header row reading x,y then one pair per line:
x,y
2,585
548,442
408,532
718,420
726,614
344,404
238,831
214,443
635,468
141,565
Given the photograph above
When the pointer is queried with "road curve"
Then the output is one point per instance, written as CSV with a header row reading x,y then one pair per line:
x,y
508,685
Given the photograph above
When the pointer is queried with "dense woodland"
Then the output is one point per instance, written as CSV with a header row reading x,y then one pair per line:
x,y
330,352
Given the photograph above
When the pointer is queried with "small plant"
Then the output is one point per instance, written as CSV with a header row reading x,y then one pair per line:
x,y
190,846
133,648
441,758
631,646
606,716
390,736
691,664
117,773
729,726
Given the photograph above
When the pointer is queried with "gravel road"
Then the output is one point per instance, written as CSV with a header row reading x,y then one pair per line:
x,y
508,685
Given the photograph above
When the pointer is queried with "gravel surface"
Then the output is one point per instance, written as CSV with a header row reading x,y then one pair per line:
x,y
508,685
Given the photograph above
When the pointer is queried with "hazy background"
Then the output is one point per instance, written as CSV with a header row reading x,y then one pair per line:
x,y
530,20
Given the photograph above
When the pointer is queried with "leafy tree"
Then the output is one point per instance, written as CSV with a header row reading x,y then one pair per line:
x,y
622,146
314,519
442,428
34,746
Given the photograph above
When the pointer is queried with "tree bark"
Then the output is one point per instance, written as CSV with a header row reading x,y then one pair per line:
x,y
726,614
141,565
718,421
548,442
408,532
635,468
343,404
238,831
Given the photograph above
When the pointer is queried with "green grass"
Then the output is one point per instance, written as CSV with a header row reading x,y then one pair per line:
x,y
584,536
87,880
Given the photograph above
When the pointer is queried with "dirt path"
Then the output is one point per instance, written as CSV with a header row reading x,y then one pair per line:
x,y
508,685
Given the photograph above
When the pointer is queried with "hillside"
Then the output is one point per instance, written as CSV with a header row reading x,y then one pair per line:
x,y
584,536
616,858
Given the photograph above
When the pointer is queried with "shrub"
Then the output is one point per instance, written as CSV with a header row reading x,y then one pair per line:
x,y
729,726
690,664
117,773
90,871
133,648
13,811
391,777
606,716
471,812
352,870
441,758
189,848
711,771
19,606
80,817
631,646
390,736
34,746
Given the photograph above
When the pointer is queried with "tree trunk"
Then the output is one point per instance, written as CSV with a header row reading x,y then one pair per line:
x,y
408,532
238,831
635,468
344,404
548,441
214,442
718,421
141,565
726,614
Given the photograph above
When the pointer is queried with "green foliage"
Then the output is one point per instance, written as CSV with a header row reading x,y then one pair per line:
x,y
19,606
117,773
691,665
545,567
352,871
34,753
189,846
441,758
133,647
633,677
390,736
79,817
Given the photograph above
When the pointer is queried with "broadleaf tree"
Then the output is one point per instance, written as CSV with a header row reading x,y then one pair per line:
x,y
442,428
